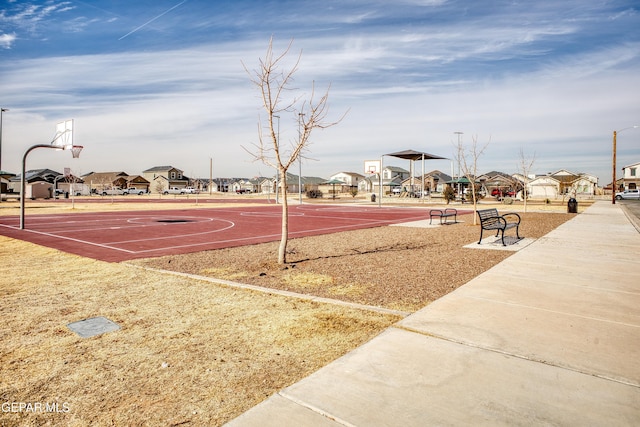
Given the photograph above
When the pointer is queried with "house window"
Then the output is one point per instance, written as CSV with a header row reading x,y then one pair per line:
x,y
173,175
179,175
633,171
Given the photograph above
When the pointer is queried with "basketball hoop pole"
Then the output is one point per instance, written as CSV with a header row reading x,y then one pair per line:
x,y
22,180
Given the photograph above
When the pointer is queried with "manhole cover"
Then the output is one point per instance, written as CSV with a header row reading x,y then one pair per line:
x,y
94,326
173,221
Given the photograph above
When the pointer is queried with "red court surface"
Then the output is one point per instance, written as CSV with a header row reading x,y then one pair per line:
x,y
121,236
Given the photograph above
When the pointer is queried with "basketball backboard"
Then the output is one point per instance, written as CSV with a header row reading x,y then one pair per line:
x,y
64,135
371,166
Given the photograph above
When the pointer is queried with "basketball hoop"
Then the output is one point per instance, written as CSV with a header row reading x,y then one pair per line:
x,y
75,150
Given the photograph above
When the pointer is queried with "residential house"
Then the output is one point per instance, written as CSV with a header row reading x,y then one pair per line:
x,y
350,179
99,181
253,185
163,177
631,176
71,184
138,182
38,183
500,181
392,176
4,181
435,181
576,184
293,184
545,186
243,185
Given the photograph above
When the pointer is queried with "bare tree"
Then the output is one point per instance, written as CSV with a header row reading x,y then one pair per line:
x,y
468,158
274,84
525,166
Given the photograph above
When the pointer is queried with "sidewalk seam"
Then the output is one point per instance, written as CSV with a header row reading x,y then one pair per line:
x,y
517,356
315,409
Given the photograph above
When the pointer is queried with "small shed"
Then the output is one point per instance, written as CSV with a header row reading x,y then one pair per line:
x,y
38,190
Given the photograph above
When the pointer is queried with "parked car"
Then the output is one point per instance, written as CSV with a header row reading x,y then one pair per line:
x,y
115,192
496,192
189,190
242,191
173,190
133,190
628,194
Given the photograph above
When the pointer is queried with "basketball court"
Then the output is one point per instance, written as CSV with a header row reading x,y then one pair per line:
x,y
120,236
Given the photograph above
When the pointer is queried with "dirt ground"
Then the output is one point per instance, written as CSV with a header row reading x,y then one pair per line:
x,y
400,268
194,352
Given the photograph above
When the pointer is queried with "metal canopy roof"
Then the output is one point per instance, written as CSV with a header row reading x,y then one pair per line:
x,y
414,155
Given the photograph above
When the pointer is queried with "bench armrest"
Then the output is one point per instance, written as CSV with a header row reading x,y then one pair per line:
x,y
511,214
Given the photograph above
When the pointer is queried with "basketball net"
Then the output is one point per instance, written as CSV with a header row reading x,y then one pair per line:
x,y
75,150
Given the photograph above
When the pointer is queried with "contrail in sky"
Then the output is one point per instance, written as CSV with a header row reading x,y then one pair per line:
x,y
151,20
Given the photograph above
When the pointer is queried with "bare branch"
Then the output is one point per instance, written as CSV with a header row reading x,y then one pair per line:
x,y
272,84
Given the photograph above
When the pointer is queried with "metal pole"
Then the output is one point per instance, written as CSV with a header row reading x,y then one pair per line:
x,y
613,182
22,181
459,155
381,182
2,110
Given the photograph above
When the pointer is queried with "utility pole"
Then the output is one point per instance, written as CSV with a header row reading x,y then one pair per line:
x,y
210,175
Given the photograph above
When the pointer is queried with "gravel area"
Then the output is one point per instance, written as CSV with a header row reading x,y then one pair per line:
x,y
401,268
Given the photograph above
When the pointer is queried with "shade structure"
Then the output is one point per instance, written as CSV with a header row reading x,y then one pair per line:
x,y
460,180
415,155
411,155
333,183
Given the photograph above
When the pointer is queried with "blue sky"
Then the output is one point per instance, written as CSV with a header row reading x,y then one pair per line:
x,y
161,82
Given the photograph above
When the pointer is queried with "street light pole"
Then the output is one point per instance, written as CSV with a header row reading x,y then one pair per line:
x,y
458,158
613,182
2,110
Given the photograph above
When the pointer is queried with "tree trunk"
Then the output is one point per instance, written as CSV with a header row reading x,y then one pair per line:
x,y
282,249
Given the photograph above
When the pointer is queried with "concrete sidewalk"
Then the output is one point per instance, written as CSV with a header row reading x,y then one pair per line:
x,y
550,336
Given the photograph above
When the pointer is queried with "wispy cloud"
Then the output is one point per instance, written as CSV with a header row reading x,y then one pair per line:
x,y
6,40
27,16
547,76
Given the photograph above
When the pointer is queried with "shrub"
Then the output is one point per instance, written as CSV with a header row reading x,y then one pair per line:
x,y
314,194
449,194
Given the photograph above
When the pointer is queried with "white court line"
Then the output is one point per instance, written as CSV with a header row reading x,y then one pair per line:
x,y
109,245
201,233
256,237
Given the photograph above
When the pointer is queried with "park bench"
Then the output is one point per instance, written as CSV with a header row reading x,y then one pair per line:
x,y
443,214
491,220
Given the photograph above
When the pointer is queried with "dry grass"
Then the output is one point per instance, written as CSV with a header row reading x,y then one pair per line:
x,y
223,349
192,352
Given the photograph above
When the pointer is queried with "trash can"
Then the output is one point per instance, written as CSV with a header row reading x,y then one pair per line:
x,y
572,206
373,197
66,194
